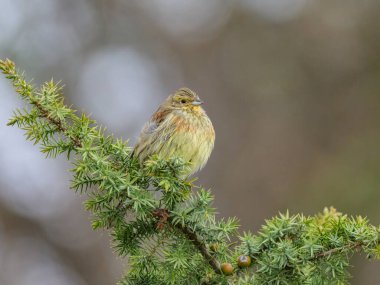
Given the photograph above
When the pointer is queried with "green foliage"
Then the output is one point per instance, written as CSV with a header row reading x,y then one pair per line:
x,y
166,226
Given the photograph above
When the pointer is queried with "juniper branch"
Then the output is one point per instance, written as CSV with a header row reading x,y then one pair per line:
x,y
56,122
180,223
27,91
8,68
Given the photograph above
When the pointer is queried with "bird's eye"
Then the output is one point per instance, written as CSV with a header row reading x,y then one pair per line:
x,y
183,101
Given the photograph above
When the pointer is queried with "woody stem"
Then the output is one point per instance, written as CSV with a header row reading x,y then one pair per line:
x,y
199,244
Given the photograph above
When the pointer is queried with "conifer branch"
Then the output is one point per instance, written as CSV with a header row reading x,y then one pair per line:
x,y
58,123
8,68
174,237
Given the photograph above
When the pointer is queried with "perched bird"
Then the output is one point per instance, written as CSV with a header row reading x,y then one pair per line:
x,y
179,128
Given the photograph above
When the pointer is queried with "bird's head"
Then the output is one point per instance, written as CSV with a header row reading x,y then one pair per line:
x,y
186,99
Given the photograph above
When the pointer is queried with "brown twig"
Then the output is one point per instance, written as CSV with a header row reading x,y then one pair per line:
x,y
199,244
332,251
163,216
58,123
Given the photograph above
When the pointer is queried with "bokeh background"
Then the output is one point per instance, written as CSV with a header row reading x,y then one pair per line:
x,y
292,87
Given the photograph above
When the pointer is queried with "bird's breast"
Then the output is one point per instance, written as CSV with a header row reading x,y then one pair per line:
x,y
194,123
193,139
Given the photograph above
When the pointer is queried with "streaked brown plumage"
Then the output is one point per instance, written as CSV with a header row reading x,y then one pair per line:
x,y
179,128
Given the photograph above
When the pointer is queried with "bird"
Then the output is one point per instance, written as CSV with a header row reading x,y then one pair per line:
x,y
179,128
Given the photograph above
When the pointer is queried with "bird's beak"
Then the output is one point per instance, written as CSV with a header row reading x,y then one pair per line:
x,y
197,102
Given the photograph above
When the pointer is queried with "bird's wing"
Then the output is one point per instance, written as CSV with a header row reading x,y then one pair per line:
x,y
150,127
155,132
157,120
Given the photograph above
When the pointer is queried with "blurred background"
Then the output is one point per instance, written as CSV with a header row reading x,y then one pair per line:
x,y
292,87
